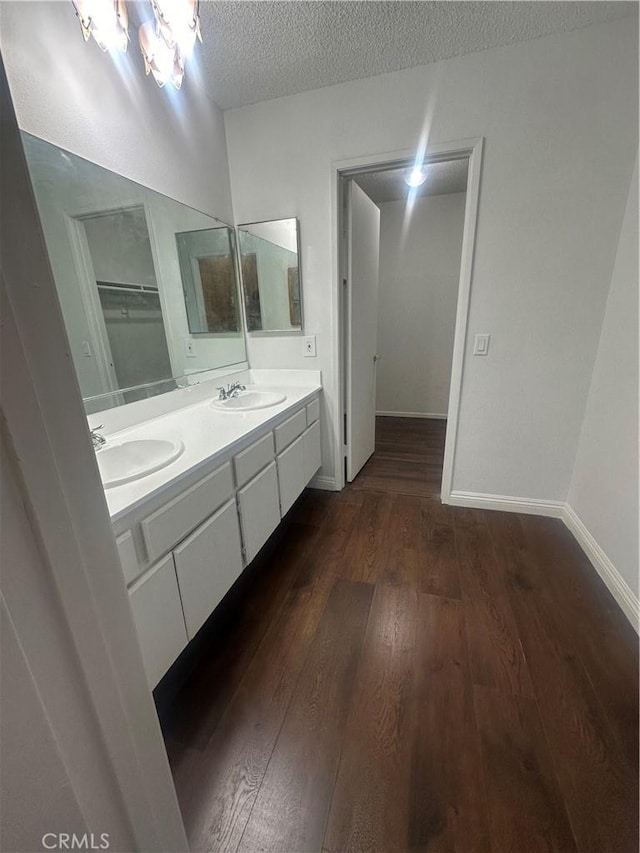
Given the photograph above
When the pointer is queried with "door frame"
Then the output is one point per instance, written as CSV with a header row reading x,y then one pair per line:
x,y
342,170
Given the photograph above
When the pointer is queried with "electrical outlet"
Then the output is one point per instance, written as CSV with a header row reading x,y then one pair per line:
x,y
189,349
310,346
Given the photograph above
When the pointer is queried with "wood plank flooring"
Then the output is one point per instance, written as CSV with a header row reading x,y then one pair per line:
x,y
398,675
407,459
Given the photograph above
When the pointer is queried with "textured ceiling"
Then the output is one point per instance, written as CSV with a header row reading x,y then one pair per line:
x,y
442,178
255,51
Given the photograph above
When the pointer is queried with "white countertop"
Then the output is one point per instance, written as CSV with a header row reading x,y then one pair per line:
x,y
208,435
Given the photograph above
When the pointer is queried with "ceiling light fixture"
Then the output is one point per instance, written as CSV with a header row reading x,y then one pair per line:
x,y
159,59
178,23
166,41
106,20
415,177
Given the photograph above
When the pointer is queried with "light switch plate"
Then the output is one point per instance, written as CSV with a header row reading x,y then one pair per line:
x,y
189,349
310,346
481,344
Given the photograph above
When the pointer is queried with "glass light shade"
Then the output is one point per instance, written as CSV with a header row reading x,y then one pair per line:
x,y
160,60
415,177
106,20
178,23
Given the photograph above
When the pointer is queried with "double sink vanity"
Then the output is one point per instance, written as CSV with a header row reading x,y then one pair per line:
x,y
186,529
160,303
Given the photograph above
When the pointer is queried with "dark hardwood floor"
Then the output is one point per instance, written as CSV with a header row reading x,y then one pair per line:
x,y
408,457
399,675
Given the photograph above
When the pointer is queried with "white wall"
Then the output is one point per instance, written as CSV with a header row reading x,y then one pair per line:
x,y
32,770
61,579
75,96
559,116
39,791
604,488
418,293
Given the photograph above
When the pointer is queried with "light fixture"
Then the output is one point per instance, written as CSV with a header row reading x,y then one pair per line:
x,y
415,177
166,41
159,59
106,20
178,23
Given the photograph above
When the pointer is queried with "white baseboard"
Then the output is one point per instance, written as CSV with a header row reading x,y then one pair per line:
x,y
612,578
412,415
328,484
506,503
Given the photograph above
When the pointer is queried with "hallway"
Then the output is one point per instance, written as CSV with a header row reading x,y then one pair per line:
x,y
407,459
401,675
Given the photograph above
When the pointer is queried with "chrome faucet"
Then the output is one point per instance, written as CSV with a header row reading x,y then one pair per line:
x,y
96,439
231,390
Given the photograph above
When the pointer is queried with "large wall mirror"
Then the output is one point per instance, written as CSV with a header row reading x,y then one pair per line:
x,y
148,286
271,276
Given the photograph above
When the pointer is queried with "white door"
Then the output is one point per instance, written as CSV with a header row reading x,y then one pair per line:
x,y
363,224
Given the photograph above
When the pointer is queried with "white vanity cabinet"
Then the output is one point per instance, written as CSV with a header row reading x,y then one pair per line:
x,y
181,559
207,564
312,451
291,474
157,613
172,522
259,509
298,441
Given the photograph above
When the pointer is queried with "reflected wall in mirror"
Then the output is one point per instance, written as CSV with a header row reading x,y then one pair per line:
x,y
208,268
113,246
271,280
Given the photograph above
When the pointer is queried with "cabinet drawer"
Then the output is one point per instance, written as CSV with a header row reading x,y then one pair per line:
x,y
313,411
253,459
291,474
290,429
157,613
312,451
259,510
128,556
172,522
207,564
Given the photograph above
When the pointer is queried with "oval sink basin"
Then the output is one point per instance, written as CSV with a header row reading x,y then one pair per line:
x,y
248,400
130,460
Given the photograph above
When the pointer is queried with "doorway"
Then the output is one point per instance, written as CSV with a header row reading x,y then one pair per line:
x,y
402,340
120,290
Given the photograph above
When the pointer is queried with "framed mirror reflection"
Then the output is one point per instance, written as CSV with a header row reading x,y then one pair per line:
x,y
148,287
271,276
209,280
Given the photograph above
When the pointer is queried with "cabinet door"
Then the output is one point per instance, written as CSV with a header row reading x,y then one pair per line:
x,y
291,474
128,556
312,451
253,459
313,411
169,524
290,429
157,613
259,510
207,564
